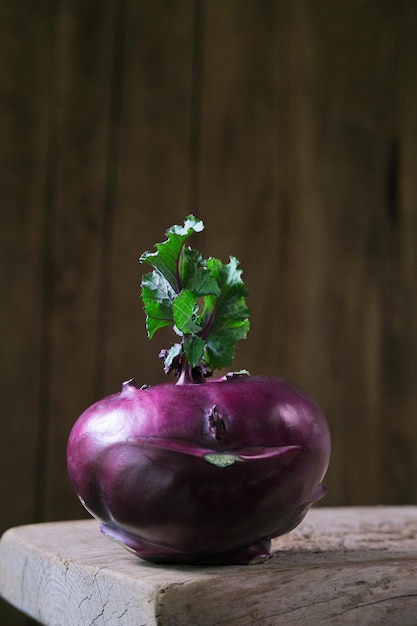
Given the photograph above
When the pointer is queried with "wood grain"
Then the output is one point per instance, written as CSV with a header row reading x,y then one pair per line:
x,y
346,128
22,163
80,90
152,177
244,143
399,304
341,566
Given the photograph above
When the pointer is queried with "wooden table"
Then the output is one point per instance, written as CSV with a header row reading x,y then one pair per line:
x,y
341,566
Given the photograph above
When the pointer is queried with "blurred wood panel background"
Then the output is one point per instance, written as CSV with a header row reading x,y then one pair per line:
x,y
290,128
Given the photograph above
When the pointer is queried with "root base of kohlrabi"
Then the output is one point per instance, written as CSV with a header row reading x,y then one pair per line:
x,y
248,555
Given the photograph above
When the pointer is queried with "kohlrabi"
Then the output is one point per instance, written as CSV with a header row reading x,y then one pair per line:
x,y
201,470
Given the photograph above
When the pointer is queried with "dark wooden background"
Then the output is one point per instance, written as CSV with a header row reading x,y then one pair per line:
x,y
290,128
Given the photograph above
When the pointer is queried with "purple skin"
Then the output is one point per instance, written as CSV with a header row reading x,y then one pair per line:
x,y
137,460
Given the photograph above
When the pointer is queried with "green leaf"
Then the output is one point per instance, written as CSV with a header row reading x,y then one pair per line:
x,y
203,299
193,349
185,310
166,258
231,321
156,288
195,275
228,277
207,310
158,316
157,296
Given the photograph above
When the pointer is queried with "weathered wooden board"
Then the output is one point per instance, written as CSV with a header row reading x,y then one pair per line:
x,y
341,566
